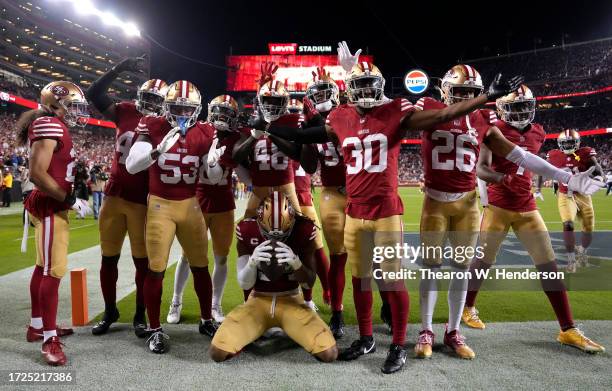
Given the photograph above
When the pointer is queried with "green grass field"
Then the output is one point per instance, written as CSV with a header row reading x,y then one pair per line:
x,y
507,305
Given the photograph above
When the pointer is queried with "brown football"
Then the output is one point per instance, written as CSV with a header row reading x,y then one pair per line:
x,y
272,269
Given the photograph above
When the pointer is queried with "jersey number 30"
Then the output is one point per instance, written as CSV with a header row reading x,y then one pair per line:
x,y
362,151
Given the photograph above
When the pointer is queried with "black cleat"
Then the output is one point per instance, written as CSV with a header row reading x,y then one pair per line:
x,y
208,327
140,326
157,341
102,326
385,316
336,324
359,347
396,358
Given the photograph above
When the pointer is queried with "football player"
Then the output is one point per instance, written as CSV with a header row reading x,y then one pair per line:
x,y
125,202
570,156
181,145
275,257
51,165
295,106
217,204
509,203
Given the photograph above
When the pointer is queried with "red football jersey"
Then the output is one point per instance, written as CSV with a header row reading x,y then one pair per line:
x,y
333,170
269,166
450,151
518,197
579,161
173,176
133,188
370,150
219,197
61,166
302,184
249,236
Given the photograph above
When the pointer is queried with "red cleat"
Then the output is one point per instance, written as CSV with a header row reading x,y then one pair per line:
x,y
52,352
33,334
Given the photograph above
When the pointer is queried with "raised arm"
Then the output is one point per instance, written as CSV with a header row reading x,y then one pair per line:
x,y
309,158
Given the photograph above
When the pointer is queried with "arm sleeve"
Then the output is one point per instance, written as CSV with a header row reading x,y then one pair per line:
x,y
139,158
97,92
312,135
537,165
214,173
247,275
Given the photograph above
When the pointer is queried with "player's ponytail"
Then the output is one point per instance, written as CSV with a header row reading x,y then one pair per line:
x,y
24,122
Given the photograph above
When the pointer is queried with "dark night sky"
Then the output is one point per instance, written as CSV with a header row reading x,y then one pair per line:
x,y
430,34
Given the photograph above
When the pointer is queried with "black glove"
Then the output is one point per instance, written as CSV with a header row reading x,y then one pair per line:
x,y
131,64
256,121
501,87
70,199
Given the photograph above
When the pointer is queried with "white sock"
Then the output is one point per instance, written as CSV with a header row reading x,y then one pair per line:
x,y
457,290
428,295
571,257
180,279
49,334
219,277
36,323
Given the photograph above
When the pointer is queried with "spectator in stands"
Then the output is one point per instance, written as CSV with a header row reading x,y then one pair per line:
x,y
98,180
7,187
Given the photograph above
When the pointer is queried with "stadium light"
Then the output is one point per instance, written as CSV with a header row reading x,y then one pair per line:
x,y
86,7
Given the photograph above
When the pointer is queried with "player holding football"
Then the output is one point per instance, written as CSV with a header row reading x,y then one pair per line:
x,y
51,164
125,202
181,143
570,156
276,256
509,203
217,203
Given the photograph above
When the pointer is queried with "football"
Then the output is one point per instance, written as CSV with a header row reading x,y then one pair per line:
x,y
272,269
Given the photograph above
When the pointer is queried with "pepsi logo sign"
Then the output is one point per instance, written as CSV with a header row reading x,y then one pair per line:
x,y
416,81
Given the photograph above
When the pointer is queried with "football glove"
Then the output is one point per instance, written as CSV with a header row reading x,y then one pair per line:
x,y
285,254
81,207
345,58
502,87
583,183
260,254
214,154
169,140
538,195
131,64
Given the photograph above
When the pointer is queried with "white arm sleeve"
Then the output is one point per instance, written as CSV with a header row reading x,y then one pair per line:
x,y
482,189
139,158
246,274
243,175
214,173
537,165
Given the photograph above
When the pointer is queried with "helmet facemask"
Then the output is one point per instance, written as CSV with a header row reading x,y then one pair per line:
x,y
149,103
519,113
569,145
272,107
324,95
224,118
456,93
366,91
184,115
76,113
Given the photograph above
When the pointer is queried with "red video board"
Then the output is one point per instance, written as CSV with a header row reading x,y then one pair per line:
x,y
294,70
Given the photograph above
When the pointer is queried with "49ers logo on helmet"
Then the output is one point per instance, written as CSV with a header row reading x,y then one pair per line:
x,y
59,90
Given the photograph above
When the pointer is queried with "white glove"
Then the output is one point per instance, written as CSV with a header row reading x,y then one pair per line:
x,y
583,183
81,207
256,134
169,140
538,194
260,254
214,154
345,58
285,254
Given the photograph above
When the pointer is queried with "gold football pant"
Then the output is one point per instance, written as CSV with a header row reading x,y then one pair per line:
x,y
247,322
456,221
360,238
117,217
221,226
332,206
51,236
579,205
183,219
261,192
529,228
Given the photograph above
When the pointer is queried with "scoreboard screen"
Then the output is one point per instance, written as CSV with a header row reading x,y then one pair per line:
x,y
294,70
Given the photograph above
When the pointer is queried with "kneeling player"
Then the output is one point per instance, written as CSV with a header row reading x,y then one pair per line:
x,y
275,300
511,204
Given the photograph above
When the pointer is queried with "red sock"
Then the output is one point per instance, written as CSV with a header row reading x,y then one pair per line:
x,y
142,265
570,240
337,280
35,281
475,283
246,293
153,286
399,303
557,295
322,267
307,293
586,238
108,281
362,296
203,287
48,297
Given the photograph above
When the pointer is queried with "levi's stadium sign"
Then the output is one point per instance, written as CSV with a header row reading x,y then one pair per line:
x,y
294,48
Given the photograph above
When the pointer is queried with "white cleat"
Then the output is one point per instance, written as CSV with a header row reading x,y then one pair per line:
x,y
174,314
581,257
217,314
311,304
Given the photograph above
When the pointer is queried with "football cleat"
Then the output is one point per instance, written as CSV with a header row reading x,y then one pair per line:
x,y
336,324
52,351
574,337
471,319
396,358
571,267
385,316
33,334
581,257
208,327
157,341
456,341
311,304
424,344
102,326
174,313
359,347
217,314
140,325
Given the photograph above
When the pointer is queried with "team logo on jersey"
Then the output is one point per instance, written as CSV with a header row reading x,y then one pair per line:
x,y
59,90
416,81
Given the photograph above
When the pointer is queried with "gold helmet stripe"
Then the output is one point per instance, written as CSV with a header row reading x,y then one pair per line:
x,y
276,211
